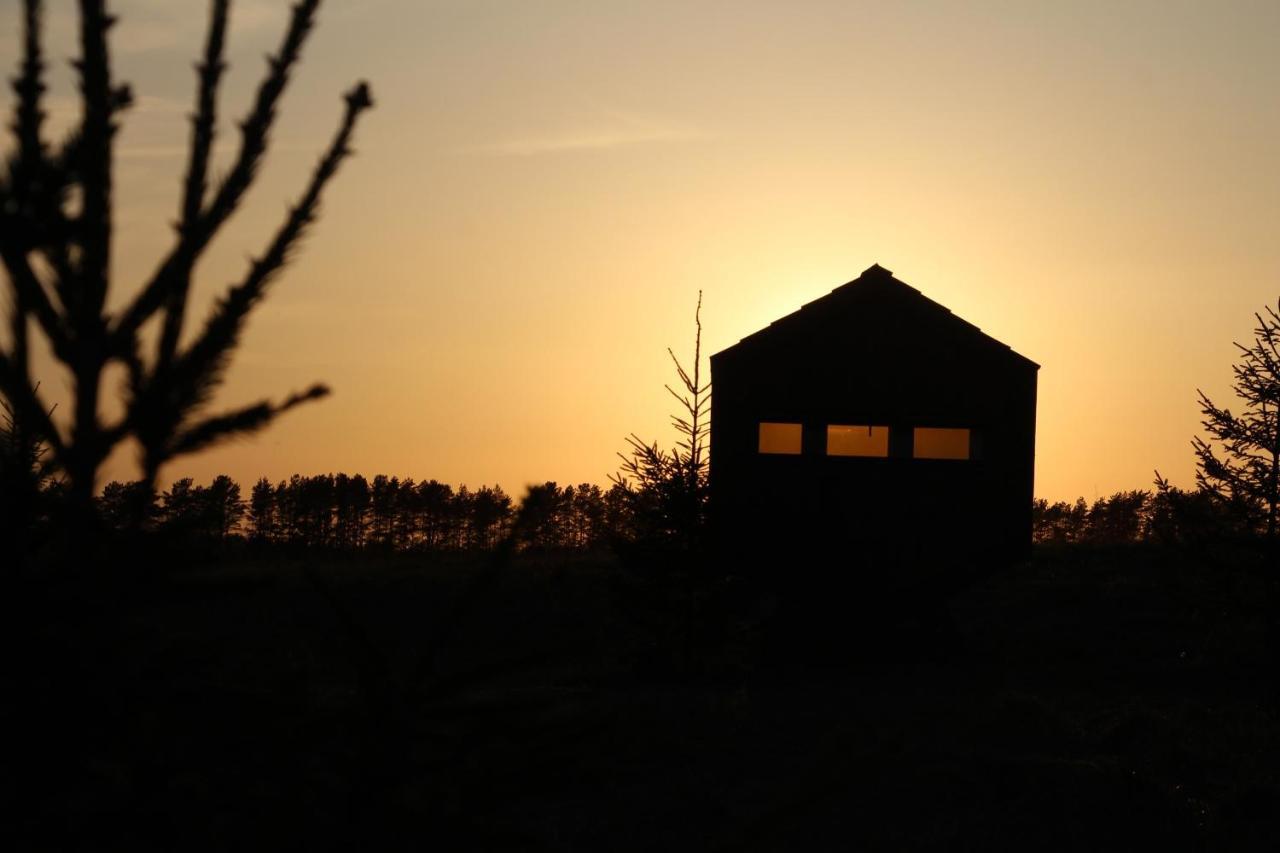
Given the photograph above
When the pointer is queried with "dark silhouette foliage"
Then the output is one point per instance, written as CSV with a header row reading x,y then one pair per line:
x,y
666,492
337,512
127,507
348,513
24,481
1059,522
1191,517
1166,515
1246,476
56,222
1122,517
201,512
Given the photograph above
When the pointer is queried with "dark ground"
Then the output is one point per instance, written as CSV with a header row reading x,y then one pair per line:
x,y
1093,700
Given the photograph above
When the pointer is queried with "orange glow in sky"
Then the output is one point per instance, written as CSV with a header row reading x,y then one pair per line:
x,y
544,188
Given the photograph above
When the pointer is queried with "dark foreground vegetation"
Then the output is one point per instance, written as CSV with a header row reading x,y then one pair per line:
x,y
1116,697
337,512
337,664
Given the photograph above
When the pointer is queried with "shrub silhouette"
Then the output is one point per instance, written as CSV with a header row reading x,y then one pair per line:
x,y
24,480
56,219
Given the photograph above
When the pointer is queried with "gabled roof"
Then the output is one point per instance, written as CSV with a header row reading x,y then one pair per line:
x,y
875,284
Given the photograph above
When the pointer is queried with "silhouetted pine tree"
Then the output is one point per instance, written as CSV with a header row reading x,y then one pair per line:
x,y
433,500
262,511
404,514
382,506
588,513
318,503
225,508
1247,475
288,510
352,496
1059,523
56,219
668,492
1118,519
127,507
619,522
1188,517
490,517
543,513
180,508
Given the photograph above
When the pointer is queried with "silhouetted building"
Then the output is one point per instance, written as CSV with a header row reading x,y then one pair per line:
x,y
876,421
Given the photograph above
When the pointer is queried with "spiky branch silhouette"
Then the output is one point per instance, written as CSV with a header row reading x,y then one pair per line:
x,y
669,491
1248,472
55,243
696,400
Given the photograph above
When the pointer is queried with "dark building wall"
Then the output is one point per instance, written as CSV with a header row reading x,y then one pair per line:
x,y
875,352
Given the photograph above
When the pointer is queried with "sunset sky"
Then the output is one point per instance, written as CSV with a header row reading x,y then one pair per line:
x,y
544,187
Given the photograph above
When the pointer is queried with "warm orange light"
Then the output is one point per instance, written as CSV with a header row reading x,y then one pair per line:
x,y
465,343
857,440
933,443
780,438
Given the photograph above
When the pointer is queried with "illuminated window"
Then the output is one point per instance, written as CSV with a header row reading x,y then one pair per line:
x,y
932,443
780,438
857,440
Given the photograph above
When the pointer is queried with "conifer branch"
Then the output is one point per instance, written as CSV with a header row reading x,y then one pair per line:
x,y
23,179
239,423
29,87
203,129
1248,475
28,409
67,295
200,367
187,383
100,103
254,131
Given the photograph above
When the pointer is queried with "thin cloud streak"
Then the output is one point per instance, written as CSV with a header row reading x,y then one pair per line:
x,y
628,131
147,26
222,150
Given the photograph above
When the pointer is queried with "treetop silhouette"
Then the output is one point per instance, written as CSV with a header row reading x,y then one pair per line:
x,y
56,219
1248,472
667,492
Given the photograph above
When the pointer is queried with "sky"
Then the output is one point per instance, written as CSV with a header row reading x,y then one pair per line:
x,y
544,188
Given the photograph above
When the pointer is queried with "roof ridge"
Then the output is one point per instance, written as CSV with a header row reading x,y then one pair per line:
x,y
875,275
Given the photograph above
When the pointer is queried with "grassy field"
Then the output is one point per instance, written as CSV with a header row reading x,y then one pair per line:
x,y
1091,700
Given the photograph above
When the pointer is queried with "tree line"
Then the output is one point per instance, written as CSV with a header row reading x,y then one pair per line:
x,y
349,513
1164,514
352,513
